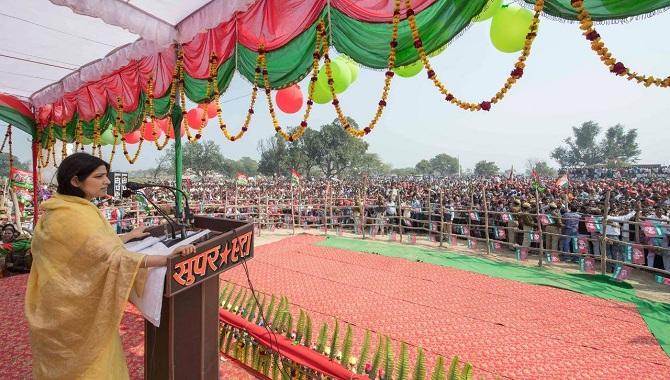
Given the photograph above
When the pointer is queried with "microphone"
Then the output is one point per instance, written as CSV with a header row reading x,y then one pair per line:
x,y
127,193
187,209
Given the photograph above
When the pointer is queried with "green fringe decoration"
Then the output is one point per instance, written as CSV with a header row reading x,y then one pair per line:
x,y
363,357
269,310
346,347
420,367
228,298
377,359
229,340
467,374
278,313
453,369
308,331
289,324
223,294
333,342
259,315
300,327
438,372
275,370
321,345
247,305
388,363
403,363
240,297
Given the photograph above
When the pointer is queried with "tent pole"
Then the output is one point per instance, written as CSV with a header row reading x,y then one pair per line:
x,y
178,156
35,148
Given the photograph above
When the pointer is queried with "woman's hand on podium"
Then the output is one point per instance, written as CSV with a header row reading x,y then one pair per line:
x,y
136,233
184,250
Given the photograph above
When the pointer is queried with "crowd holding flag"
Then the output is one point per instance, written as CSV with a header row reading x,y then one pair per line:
x,y
241,179
562,182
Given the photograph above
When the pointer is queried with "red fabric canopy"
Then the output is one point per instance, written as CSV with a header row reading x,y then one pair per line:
x,y
299,354
14,103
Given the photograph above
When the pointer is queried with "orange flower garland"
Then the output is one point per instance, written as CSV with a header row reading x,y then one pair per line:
x,y
598,46
321,42
387,82
217,96
152,116
515,75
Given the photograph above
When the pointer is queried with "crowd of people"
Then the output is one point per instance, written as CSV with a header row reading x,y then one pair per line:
x,y
452,206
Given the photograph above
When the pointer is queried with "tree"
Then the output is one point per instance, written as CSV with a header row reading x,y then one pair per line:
x,y
617,146
541,168
339,151
486,168
203,158
403,171
444,165
423,167
372,164
4,164
273,155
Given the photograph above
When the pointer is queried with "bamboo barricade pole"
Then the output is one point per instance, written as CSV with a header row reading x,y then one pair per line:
x,y
292,211
260,214
603,235
267,212
441,216
470,209
325,208
401,215
486,222
638,209
17,211
539,227
333,219
225,203
429,209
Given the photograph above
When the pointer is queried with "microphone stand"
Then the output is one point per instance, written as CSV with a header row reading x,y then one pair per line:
x,y
171,221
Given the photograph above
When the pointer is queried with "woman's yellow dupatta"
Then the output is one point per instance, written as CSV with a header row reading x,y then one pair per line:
x,y
77,291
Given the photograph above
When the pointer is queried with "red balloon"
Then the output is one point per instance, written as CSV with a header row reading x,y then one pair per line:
x,y
133,137
170,131
194,118
164,124
149,133
210,108
289,99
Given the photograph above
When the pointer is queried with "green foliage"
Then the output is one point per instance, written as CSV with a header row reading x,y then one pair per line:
x,y
323,335
438,371
237,299
363,357
300,328
541,168
346,347
270,309
288,324
403,363
224,294
617,147
228,298
329,149
389,365
333,342
377,359
247,305
440,165
260,312
308,332
486,168
277,316
466,373
453,369
4,164
420,366
204,158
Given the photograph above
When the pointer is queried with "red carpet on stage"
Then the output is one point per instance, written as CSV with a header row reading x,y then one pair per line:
x,y
15,359
504,328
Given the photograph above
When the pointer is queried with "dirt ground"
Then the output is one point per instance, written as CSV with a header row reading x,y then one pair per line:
x,y
643,282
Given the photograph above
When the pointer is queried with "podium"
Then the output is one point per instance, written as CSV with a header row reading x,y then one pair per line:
x,y
185,346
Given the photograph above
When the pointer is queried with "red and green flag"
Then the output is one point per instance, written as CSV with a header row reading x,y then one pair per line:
x,y
563,182
241,179
295,177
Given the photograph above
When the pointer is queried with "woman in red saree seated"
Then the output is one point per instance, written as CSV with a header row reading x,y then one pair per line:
x,y
81,278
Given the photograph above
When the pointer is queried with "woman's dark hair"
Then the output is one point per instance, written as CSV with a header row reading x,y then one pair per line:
x,y
79,165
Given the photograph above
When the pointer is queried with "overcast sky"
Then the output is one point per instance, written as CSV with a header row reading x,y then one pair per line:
x,y
564,84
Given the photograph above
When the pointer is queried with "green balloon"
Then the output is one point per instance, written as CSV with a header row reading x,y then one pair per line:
x,y
409,70
490,9
107,137
353,69
321,93
341,75
510,27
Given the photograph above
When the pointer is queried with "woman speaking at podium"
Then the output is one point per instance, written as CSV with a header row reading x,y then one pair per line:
x,y
81,279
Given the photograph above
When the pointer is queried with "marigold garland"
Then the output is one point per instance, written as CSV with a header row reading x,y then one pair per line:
x,y
321,42
514,76
217,96
152,116
388,76
598,46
